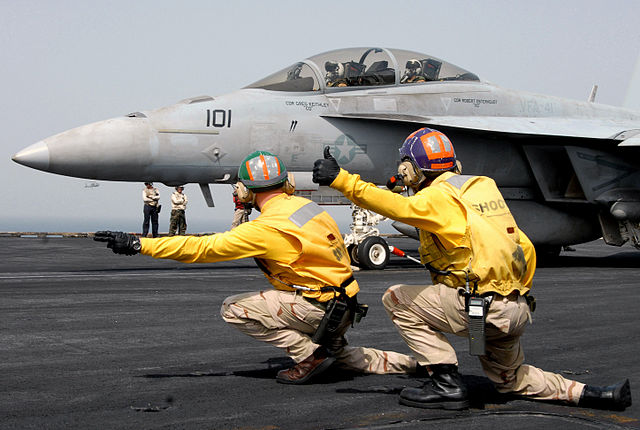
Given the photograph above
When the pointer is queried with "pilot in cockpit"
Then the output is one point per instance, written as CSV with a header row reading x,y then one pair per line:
x,y
413,72
335,74
294,72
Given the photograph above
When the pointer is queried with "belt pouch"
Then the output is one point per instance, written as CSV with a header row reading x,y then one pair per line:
x,y
335,315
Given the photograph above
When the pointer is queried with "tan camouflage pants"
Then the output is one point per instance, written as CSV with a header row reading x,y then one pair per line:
x,y
422,313
177,222
287,320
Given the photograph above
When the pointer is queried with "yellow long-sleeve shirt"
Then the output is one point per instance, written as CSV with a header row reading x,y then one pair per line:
x,y
297,241
455,234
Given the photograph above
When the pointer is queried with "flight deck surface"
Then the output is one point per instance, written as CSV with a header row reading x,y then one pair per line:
x,y
90,339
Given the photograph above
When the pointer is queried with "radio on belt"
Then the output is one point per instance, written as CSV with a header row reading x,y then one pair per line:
x,y
475,306
477,315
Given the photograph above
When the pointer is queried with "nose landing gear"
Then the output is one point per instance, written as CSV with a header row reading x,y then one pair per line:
x,y
366,248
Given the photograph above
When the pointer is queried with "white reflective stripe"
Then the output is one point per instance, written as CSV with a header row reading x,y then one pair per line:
x,y
459,180
305,213
446,142
434,144
257,171
257,167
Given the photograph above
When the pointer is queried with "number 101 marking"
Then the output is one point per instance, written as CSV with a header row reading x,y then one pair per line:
x,y
218,118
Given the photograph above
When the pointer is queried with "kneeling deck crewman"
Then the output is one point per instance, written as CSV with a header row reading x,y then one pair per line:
x,y
299,247
472,245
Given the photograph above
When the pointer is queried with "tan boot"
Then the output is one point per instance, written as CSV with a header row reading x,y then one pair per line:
x,y
310,367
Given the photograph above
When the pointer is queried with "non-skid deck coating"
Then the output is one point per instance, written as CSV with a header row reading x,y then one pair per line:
x,y
89,339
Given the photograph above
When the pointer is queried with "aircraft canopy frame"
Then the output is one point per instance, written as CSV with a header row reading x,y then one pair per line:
x,y
356,68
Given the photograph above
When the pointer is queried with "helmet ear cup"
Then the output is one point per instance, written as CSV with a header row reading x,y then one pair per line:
x,y
289,186
411,176
245,195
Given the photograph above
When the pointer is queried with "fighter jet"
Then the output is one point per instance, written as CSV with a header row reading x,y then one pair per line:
x,y
569,170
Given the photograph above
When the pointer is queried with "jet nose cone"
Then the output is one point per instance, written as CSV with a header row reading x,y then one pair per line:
x,y
35,156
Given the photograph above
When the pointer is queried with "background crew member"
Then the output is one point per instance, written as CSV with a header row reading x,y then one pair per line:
x,y
466,229
299,247
241,212
178,220
151,198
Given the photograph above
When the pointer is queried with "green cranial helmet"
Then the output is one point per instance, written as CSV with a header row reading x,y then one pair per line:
x,y
262,169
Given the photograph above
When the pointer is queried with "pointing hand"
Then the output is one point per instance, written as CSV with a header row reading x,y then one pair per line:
x,y
119,242
325,170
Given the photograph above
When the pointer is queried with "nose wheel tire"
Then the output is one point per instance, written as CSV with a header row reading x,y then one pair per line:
x,y
353,254
373,253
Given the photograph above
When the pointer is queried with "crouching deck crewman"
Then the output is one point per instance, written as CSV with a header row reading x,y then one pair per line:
x,y
300,250
481,267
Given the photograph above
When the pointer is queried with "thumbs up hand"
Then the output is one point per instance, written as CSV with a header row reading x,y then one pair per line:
x,y
325,170
327,154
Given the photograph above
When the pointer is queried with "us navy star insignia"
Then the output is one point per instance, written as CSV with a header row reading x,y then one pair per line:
x,y
344,149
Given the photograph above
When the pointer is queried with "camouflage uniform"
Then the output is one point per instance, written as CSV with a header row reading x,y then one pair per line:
x,y
178,220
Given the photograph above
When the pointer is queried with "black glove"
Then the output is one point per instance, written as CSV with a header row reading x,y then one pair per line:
x,y
119,242
327,170
395,181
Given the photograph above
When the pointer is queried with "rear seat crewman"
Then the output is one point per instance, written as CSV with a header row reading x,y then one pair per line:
x,y
482,268
299,247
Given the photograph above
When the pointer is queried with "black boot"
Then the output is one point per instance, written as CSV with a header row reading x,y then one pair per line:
x,y
445,390
614,397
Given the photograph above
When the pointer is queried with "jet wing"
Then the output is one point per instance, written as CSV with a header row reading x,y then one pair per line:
x,y
625,131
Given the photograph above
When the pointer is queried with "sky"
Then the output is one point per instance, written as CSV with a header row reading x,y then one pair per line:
x,y
68,63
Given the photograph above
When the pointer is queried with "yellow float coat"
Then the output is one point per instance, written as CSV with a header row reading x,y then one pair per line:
x,y
465,226
298,242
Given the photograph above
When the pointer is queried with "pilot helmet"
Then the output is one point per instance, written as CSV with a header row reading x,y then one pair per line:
x,y
148,184
334,70
414,66
429,150
262,170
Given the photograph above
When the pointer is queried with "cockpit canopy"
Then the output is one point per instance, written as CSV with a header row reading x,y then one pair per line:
x,y
362,67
